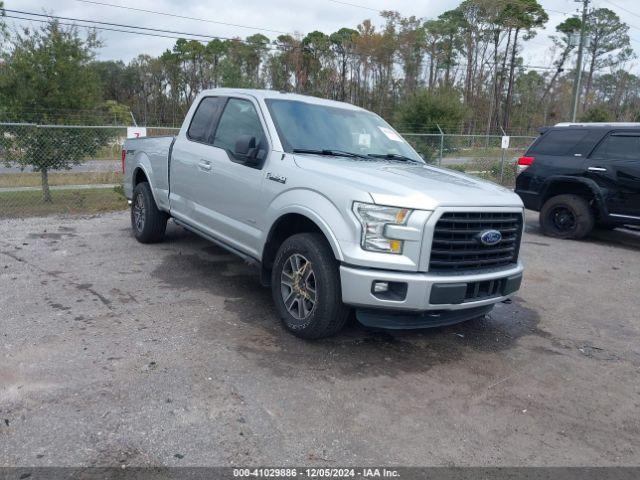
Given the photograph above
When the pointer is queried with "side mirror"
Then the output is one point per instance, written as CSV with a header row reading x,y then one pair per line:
x,y
246,146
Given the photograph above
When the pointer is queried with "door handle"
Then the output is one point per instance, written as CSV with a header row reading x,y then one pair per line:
x,y
597,169
205,165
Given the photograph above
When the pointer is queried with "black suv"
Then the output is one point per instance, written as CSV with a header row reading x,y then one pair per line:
x,y
582,175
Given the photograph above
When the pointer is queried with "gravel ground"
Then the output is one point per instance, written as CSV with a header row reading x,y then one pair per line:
x,y
117,353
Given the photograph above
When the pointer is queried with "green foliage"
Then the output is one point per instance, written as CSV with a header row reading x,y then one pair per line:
x,y
424,111
597,113
47,76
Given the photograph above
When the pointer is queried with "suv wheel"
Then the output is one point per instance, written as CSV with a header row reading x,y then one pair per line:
x,y
147,221
305,284
566,216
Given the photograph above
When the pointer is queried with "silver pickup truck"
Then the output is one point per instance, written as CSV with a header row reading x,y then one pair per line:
x,y
334,206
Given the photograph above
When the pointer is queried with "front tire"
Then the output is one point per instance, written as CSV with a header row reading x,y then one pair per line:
x,y
305,284
147,221
566,216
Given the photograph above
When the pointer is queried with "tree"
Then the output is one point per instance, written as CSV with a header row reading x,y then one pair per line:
x,y
46,78
596,114
569,27
522,16
607,34
343,45
425,110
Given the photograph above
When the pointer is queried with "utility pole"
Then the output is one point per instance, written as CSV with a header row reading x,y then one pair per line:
x,y
576,84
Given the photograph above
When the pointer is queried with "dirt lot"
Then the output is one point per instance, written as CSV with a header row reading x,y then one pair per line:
x,y
116,353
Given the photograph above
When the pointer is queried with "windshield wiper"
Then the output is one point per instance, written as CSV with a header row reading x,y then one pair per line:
x,y
328,152
394,156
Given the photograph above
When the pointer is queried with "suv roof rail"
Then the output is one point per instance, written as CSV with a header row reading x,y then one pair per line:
x,y
598,124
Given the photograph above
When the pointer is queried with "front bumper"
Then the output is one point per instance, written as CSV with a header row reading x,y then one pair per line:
x,y
420,292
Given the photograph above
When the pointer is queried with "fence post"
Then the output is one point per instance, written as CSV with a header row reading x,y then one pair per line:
x,y
441,145
502,157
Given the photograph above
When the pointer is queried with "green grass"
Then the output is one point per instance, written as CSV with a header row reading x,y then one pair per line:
x,y
30,204
30,179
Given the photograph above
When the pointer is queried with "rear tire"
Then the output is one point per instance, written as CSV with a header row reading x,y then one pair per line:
x,y
305,284
566,216
147,221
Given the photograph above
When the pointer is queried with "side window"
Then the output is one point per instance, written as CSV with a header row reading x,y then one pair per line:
x,y
625,147
201,126
559,142
239,118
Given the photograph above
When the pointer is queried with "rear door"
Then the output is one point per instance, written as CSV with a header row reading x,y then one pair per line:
x,y
560,151
615,166
190,169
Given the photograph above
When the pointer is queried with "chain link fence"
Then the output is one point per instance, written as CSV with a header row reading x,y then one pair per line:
x,y
65,169
62,169
481,155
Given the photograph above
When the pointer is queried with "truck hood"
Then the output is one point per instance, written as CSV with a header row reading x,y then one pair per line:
x,y
409,185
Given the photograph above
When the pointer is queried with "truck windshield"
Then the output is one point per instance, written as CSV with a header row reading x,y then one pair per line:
x,y
308,127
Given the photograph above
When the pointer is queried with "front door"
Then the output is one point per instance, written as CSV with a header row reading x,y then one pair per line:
x,y
615,166
230,206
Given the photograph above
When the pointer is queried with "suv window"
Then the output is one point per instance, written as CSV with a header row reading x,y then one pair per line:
x,y
239,118
559,142
201,125
626,147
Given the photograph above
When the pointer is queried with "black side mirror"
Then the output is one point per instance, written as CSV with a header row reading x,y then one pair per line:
x,y
246,146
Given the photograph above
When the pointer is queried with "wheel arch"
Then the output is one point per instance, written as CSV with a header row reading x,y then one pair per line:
x,y
560,185
296,219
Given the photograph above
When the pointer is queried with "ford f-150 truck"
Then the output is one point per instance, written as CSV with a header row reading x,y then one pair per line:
x,y
334,206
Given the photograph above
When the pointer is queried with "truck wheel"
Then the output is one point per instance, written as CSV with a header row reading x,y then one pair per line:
x,y
305,284
566,216
148,223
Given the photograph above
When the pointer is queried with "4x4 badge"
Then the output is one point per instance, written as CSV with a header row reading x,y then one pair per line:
x,y
276,178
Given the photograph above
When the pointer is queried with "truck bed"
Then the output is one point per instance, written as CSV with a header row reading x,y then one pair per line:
x,y
152,155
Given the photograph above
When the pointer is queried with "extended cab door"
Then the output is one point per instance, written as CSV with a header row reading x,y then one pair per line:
x,y
189,168
615,166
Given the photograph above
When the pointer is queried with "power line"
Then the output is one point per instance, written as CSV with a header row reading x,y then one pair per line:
x,y
175,15
357,6
622,8
157,32
118,25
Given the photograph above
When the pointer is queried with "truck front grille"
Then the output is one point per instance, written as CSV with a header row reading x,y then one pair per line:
x,y
456,241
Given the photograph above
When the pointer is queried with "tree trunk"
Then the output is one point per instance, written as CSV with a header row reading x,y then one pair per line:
x,y
507,106
587,87
563,59
46,193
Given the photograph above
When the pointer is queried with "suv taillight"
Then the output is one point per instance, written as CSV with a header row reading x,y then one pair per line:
x,y
524,162
124,157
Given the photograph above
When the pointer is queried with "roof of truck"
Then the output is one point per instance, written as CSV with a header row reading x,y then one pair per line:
x,y
275,94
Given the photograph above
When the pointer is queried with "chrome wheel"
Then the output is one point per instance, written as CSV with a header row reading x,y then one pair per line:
x,y
298,286
139,212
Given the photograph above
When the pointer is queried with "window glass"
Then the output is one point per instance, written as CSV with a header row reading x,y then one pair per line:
x,y
239,118
560,142
201,124
310,126
619,147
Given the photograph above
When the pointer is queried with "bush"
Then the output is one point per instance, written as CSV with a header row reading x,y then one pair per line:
x,y
423,111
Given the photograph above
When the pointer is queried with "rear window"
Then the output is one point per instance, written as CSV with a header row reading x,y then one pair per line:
x,y
559,142
201,125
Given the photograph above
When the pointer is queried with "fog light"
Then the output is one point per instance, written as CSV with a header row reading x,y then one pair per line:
x,y
380,287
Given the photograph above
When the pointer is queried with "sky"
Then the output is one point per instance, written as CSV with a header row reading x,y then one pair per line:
x,y
273,17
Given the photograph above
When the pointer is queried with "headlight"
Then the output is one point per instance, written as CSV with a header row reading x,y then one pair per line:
x,y
373,219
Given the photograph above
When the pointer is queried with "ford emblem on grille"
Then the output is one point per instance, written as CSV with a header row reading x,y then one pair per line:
x,y
490,237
